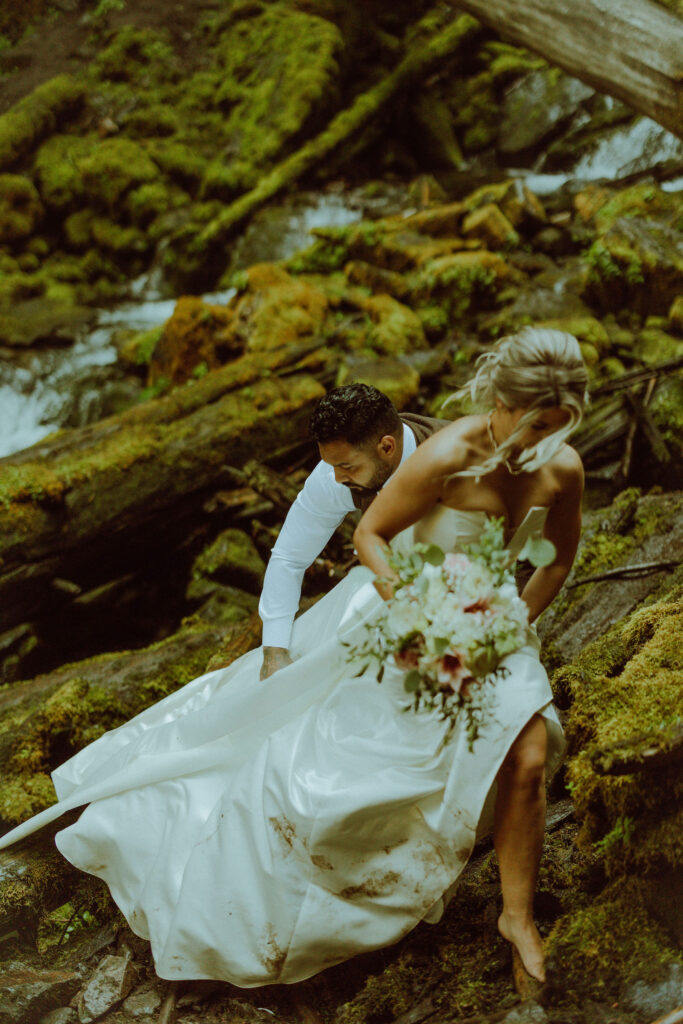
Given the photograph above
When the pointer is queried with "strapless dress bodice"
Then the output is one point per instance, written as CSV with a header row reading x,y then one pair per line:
x,y
453,529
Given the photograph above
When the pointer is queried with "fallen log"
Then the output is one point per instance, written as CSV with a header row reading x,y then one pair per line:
x,y
632,50
73,500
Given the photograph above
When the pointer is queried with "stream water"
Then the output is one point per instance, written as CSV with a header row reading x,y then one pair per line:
x,y
44,389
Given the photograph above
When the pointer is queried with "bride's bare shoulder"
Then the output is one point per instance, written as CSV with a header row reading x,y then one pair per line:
x,y
450,448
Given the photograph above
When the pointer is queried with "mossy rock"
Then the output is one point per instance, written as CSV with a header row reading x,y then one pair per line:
x,y
115,167
613,941
634,528
118,240
136,352
394,329
522,207
653,345
20,207
490,224
586,329
635,264
183,164
279,69
475,107
56,170
36,115
604,206
666,409
232,559
42,319
198,335
393,376
277,309
458,280
154,199
155,120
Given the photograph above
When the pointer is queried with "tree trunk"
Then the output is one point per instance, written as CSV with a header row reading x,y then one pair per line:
x,y
79,497
632,50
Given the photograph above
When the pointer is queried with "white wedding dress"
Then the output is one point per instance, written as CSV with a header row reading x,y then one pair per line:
x,y
258,832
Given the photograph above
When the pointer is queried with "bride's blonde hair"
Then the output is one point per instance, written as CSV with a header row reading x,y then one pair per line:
x,y
537,368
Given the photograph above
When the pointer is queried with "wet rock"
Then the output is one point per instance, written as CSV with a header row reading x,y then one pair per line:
x,y
143,1002
42,319
27,993
653,998
113,979
536,105
20,208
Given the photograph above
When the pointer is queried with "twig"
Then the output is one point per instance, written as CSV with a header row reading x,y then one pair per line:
x,y
625,465
167,1014
626,572
634,377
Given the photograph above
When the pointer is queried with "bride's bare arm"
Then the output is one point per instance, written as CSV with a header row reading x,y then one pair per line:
x,y
563,528
407,496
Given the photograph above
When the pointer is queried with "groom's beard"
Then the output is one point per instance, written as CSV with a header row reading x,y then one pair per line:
x,y
378,481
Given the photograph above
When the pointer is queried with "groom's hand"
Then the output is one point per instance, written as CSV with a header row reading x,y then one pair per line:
x,y
273,659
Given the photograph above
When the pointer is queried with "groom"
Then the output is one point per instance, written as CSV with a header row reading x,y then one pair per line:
x,y
361,440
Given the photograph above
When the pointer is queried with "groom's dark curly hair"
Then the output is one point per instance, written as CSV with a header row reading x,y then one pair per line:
x,y
356,413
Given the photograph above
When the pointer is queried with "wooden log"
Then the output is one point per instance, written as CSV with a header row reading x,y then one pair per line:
x,y
632,50
90,489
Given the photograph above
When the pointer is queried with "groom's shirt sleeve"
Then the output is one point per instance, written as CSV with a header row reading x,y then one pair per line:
x,y
316,513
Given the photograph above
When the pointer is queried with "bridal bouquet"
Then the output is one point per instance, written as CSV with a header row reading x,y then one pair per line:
x,y
449,624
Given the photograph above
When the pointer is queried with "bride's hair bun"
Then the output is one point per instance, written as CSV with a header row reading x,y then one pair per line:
x,y
536,368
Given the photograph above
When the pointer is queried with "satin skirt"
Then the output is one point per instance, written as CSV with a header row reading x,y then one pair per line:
x,y
260,831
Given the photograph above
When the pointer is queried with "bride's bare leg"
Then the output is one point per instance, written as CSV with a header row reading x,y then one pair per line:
x,y
518,838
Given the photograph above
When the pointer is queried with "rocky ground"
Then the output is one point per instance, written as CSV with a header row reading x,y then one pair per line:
x,y
132,549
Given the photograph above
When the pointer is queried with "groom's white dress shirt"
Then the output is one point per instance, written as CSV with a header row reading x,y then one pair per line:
x,y
316,513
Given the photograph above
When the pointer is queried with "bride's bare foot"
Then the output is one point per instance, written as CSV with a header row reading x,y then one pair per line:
x,y
524,936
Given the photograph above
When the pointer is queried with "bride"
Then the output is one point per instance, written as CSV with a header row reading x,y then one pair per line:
x,y
258,831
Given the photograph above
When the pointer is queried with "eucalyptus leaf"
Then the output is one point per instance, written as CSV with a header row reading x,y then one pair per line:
x,y
441,644
433,554
539,551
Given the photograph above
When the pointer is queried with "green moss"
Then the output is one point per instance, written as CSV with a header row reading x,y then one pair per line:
x,y
277,70
642,200
231,558
56,169
182,163
20,207
115,167
156,119
654,345
120,241
137,56
611,941
35,116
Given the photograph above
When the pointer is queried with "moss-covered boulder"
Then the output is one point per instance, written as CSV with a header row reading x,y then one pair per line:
x,y
20,208
278,69
393,328
56,169
276,309
625,720
634,529
676,315
114,168
42,319
490,224
231,558
198,335
36,115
